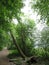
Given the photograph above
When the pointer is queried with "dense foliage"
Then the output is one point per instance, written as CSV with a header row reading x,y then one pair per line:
x,y
20,37
42,7
9,9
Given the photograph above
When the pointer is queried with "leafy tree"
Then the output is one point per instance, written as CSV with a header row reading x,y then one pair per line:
x,y
8,10
43,43
24,36
42,7
45,37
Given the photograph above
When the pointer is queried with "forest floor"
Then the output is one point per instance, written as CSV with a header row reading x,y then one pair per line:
x,y
3,57
4,60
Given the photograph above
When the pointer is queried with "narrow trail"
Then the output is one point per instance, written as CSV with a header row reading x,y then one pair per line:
x,y
3,58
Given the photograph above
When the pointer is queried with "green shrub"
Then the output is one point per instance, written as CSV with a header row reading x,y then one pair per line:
x,y
13,54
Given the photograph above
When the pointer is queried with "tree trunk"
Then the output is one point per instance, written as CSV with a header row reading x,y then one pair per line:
x,y
27,59
17,46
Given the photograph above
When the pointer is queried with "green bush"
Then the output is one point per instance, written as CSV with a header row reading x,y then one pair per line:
x,y
0,48
13,54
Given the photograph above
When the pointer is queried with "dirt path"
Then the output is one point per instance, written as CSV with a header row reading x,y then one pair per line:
x,y
3,58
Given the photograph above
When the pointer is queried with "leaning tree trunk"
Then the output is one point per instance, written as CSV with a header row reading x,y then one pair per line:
x,y
31,59
17,46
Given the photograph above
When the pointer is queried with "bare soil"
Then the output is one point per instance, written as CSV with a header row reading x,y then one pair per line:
x,y
3,57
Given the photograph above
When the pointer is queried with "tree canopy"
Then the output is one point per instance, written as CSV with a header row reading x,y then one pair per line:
x,y
42,7
9,9
45,38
